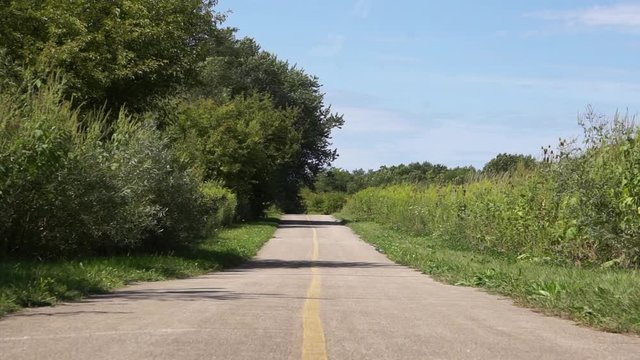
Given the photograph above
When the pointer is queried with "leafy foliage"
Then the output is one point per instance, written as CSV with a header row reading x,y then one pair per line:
x,y
118,52
74,186
508,163
221,205
89,166
323,202
243,143
338,180
239,68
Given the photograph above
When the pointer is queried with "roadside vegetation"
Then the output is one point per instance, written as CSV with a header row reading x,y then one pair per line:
x,y
606,298
561,234
145,126
333,186
28,283
132,132
323,202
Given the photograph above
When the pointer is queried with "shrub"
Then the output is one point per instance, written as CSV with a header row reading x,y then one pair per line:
x,y
220,203
70,184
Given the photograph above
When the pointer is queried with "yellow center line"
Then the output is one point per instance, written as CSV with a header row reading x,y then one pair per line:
x,y
313,342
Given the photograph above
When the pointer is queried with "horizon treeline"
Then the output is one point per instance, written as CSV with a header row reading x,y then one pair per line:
x,y
335,179
333,186
142,125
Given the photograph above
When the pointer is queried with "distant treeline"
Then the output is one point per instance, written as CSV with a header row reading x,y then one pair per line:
x,y
339,180
143,124
334,185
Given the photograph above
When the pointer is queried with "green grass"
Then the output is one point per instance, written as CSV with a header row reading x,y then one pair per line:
x,y
29,283
604,298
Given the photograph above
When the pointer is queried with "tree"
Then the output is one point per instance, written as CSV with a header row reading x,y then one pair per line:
x,y
508,163
118,51
242,142
333,180
239,67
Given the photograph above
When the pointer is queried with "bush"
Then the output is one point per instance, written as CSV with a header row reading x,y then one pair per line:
x,y
71,185
220,203
159,192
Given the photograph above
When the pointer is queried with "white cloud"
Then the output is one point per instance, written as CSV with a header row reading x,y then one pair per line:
x,y
331,46
623,16
362,8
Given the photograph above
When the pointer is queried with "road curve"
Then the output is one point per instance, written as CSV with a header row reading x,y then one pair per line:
x,y
315,291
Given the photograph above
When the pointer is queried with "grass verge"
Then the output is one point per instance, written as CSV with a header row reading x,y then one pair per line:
x,y
604,298
30,284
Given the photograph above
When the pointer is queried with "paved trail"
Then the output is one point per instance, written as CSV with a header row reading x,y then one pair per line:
x,y
315,291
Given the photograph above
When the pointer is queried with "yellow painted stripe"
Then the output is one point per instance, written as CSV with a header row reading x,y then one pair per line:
x,y
313,342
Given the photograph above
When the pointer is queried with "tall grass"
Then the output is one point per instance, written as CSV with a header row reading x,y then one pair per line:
x,y
580,206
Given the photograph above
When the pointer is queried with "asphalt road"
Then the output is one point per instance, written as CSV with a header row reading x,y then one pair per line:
x,y
315,291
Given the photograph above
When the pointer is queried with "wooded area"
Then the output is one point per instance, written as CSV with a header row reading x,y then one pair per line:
x,y
136,125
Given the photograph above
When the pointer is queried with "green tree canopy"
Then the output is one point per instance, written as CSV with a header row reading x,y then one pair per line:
x,y
507,163
242,142
240,67
117,51
339,180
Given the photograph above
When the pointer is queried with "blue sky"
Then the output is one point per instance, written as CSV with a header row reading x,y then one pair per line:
x,y
454,82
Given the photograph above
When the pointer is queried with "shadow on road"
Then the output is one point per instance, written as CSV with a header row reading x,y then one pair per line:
x,y
288,224
67,313
187,294
299,264
221,294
